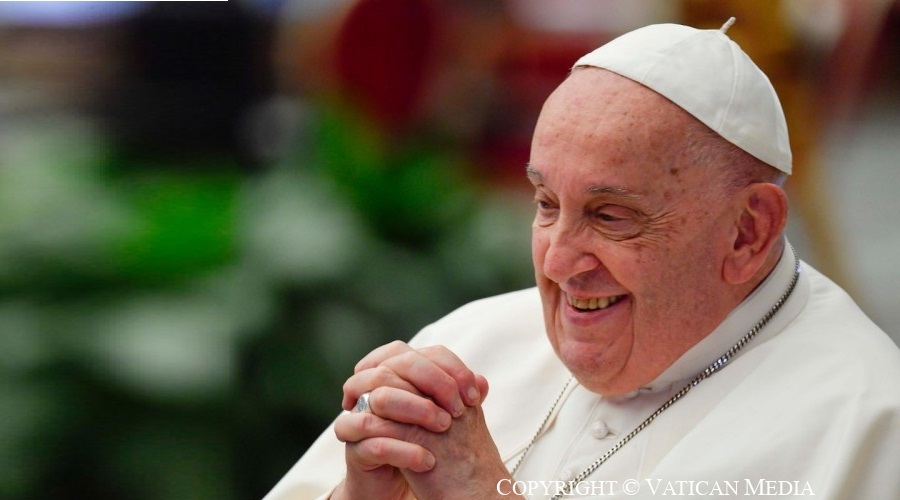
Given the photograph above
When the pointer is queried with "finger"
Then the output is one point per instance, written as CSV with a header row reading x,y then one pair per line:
x,y
470,391
355,427
379,354
483,386
405,407
367,380
376,452
465,379
429,378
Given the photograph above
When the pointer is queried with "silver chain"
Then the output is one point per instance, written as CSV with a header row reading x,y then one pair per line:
x,y
540,428
717,365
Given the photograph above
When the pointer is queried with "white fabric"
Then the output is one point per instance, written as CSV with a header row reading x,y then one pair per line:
x,y
812,404
708,75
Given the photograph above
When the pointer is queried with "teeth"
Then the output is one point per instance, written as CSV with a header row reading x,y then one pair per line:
x,y
592,304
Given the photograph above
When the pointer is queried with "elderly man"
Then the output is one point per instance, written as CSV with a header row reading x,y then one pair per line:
x,y
690,351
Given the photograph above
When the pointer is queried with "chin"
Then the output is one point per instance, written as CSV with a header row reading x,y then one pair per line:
x,y
597,371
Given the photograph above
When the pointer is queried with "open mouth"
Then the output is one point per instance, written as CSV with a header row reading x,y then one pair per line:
x,y
593,304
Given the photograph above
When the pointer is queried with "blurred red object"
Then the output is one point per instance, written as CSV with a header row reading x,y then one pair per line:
x,y
383,54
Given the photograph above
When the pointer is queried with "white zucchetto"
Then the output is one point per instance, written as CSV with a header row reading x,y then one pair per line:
x,y
708,75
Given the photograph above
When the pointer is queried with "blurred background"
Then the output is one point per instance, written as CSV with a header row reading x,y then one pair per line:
x,y
209,211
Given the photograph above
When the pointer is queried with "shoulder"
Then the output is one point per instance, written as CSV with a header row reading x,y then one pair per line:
x,y
832,351
506,306
828,382
833,325
829,359
513,315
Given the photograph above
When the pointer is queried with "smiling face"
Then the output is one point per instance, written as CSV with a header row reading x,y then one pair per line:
x,y
629,236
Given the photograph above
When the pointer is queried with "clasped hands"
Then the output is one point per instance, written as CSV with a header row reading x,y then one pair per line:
x,y
424,435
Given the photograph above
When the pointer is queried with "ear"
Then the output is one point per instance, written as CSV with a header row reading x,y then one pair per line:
x,y
761,217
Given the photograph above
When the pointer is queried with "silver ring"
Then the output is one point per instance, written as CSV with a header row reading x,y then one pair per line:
x,y
362,404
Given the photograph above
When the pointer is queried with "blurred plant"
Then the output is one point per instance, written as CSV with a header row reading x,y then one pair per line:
x,y
168,331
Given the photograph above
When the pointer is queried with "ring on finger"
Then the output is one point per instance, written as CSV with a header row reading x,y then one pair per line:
x,y
362,404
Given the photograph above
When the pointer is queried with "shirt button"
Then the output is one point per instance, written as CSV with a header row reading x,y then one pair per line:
x,y
599,430
631,395
567,475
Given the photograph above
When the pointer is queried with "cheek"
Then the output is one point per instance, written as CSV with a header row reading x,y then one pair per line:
x,y
676,284
539,245
651,271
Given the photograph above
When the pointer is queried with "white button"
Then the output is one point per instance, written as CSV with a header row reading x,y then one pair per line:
x,y
631,395
599,430
567,475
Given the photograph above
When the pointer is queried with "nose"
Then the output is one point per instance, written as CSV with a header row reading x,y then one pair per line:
x,y
569,251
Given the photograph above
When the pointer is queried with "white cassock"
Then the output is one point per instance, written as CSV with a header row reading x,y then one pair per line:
x,y
810,406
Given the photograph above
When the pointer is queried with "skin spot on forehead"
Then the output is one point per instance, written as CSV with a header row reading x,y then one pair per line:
x,y
606,115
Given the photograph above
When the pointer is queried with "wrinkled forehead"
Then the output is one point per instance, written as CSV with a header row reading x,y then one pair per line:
x,y
602,132
596,112
600,97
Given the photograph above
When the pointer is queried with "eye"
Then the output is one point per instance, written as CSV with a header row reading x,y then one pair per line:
x,y
613,213
543,201
616,221
546,210
544,207
608,217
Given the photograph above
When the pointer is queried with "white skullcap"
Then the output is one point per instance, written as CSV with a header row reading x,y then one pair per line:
x,y
705,73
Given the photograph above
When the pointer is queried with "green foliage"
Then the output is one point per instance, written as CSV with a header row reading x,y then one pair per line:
x,y
168,331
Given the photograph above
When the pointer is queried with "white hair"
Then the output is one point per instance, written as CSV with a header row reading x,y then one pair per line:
x,y
703,147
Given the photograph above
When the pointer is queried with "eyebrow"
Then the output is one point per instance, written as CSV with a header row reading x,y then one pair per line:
x,y
615,191
621,192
